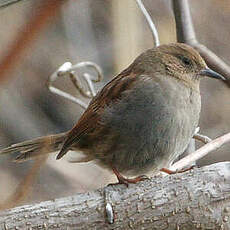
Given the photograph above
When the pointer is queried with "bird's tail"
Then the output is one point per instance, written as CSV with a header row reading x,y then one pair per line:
x,y
36,147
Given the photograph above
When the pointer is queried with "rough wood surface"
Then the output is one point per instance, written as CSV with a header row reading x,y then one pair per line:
x,y
198,199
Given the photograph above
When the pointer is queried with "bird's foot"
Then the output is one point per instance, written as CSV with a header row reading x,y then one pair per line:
x,y
127,181
170,172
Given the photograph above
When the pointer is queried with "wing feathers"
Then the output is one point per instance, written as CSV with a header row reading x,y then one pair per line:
x,y
110,93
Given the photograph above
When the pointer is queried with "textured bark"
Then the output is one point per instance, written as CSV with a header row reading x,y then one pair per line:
x,y
198,199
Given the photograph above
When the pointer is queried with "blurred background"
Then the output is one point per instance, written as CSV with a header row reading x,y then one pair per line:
x,y
110,33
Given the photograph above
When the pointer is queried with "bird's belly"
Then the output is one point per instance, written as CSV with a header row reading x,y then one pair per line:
x,y
168,139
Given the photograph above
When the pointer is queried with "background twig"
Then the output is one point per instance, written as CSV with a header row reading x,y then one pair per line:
x,y
150,23
186,34
201,152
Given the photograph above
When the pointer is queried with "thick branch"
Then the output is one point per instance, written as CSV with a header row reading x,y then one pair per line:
x,y
196,199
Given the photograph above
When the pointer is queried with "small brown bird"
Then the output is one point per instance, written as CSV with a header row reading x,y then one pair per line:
x,y
142,120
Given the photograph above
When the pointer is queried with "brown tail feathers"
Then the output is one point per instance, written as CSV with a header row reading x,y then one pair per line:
x,y
36,147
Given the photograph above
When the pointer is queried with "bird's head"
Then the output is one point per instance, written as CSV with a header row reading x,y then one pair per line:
x,y
180,61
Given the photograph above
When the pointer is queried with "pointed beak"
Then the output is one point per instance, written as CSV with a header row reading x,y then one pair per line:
x,y
210,73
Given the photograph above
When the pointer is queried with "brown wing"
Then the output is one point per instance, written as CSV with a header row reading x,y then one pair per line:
x,y
110,93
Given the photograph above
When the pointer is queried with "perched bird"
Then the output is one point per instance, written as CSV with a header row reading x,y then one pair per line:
x,y
141,121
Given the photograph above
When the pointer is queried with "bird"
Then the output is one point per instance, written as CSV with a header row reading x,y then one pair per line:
x,y
140,121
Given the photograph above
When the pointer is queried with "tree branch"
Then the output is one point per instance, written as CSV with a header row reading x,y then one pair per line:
x,y
196,199
201,152
186,34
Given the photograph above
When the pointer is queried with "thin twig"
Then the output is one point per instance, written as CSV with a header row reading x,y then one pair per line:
x,y
61,72
201,152
150,22
89,83
67,96
78,85
186,34
202,138
69,70
92,65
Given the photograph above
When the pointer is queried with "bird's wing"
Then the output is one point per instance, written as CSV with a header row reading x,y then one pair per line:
x,y
111,92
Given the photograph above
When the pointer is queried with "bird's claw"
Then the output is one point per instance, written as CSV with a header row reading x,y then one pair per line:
x,y
126,181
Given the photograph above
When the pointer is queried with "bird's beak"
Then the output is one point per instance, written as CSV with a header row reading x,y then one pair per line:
x,y
210,73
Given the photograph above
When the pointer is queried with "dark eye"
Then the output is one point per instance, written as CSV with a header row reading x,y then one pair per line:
x,y
186,60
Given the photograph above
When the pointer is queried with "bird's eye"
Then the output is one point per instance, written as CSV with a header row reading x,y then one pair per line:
x,y
186,61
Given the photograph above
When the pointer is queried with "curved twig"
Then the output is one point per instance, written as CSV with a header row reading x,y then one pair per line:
x,y
68,70
150,22
202,138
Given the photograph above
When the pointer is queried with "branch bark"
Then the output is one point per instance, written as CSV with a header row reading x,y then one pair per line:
x,y
199,198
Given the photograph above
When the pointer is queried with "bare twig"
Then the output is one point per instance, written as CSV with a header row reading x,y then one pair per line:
x,y
202,138
61,93
68,70
201,152
197,136
150,22
213,61
186,34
